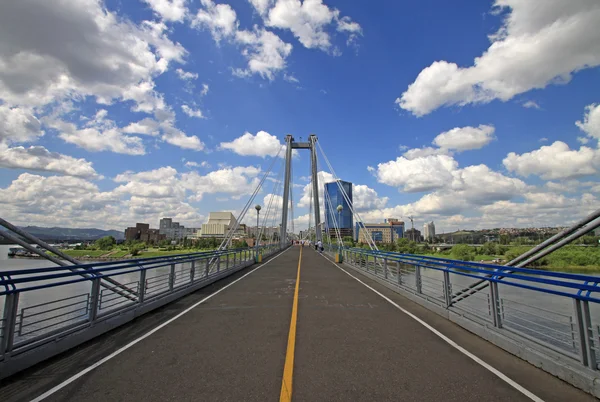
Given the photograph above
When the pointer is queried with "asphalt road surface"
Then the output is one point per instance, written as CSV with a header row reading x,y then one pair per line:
x,y
350,345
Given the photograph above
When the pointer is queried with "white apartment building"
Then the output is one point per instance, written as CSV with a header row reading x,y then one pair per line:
x,y
429,231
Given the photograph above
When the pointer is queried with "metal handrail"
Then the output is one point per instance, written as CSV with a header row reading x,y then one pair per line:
x,y
101,270
452,266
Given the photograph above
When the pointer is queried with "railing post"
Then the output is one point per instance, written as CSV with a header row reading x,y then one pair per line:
x,y
447,289
589,332
227,261
142,286
172,277
192,271
234,258
207,266
418,283
587,353
219,262
94,301
581,332
11,306
375,265
385,268
495,301
399,273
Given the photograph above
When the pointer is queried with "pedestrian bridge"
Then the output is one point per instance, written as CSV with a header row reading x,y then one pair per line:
x,y
296,326
285,322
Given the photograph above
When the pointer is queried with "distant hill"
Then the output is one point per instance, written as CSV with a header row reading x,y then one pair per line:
x,y
63,234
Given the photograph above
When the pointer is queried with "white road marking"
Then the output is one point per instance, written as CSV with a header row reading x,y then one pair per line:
x,y
147,334
470,355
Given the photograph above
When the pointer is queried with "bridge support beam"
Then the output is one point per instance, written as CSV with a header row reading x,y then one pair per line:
x,y
315,182
286,190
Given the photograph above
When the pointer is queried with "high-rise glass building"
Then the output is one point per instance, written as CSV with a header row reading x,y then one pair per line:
x,y
333,198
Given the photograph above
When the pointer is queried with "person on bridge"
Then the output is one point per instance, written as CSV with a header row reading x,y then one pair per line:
x,y
320,247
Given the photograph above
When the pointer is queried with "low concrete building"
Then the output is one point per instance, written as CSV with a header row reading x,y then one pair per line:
x,y
218,224
142,232
388,232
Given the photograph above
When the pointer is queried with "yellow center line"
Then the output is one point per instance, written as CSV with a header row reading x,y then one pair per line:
x,y
288,369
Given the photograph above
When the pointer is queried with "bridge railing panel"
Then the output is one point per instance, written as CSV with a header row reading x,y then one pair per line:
x,y
42,304
559,312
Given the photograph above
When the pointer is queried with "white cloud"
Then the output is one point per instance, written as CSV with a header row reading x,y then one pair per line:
x,y
583,140
192,112
591,121
556,161
465,138
531,105
265,51
219,19
179,139
204,90
291,78
169,10
99,134
365,198
38,158
422,173
186,75
425,151
191,164
236,181
18,125
540,42
68,49
307,20
262,144
146,126
262,6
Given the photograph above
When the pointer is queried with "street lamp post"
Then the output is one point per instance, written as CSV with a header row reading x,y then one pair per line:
x,y
257,207
339,211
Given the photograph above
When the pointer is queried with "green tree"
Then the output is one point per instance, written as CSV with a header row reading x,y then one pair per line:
x,y
504,239
106,243
463,252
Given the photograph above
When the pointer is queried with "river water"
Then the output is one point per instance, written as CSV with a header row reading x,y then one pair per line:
x,y
542,315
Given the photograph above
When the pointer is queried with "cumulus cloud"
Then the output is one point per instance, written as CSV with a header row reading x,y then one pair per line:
x,y
556,161
38,158
18,125
68,49
465,138
422,173
192,112
540,42
186,75
262,144
591,121
308,20
169,10
266,52
98,134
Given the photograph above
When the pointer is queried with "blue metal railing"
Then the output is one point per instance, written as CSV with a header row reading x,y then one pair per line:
x,y
41,305
555,310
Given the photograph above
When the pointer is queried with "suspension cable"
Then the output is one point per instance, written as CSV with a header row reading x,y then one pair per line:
x,y
242,214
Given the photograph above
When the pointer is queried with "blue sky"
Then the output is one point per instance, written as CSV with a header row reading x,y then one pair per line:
x,y
471,114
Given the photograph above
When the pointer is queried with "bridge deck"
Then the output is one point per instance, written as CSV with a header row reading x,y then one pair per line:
x,y
351,345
